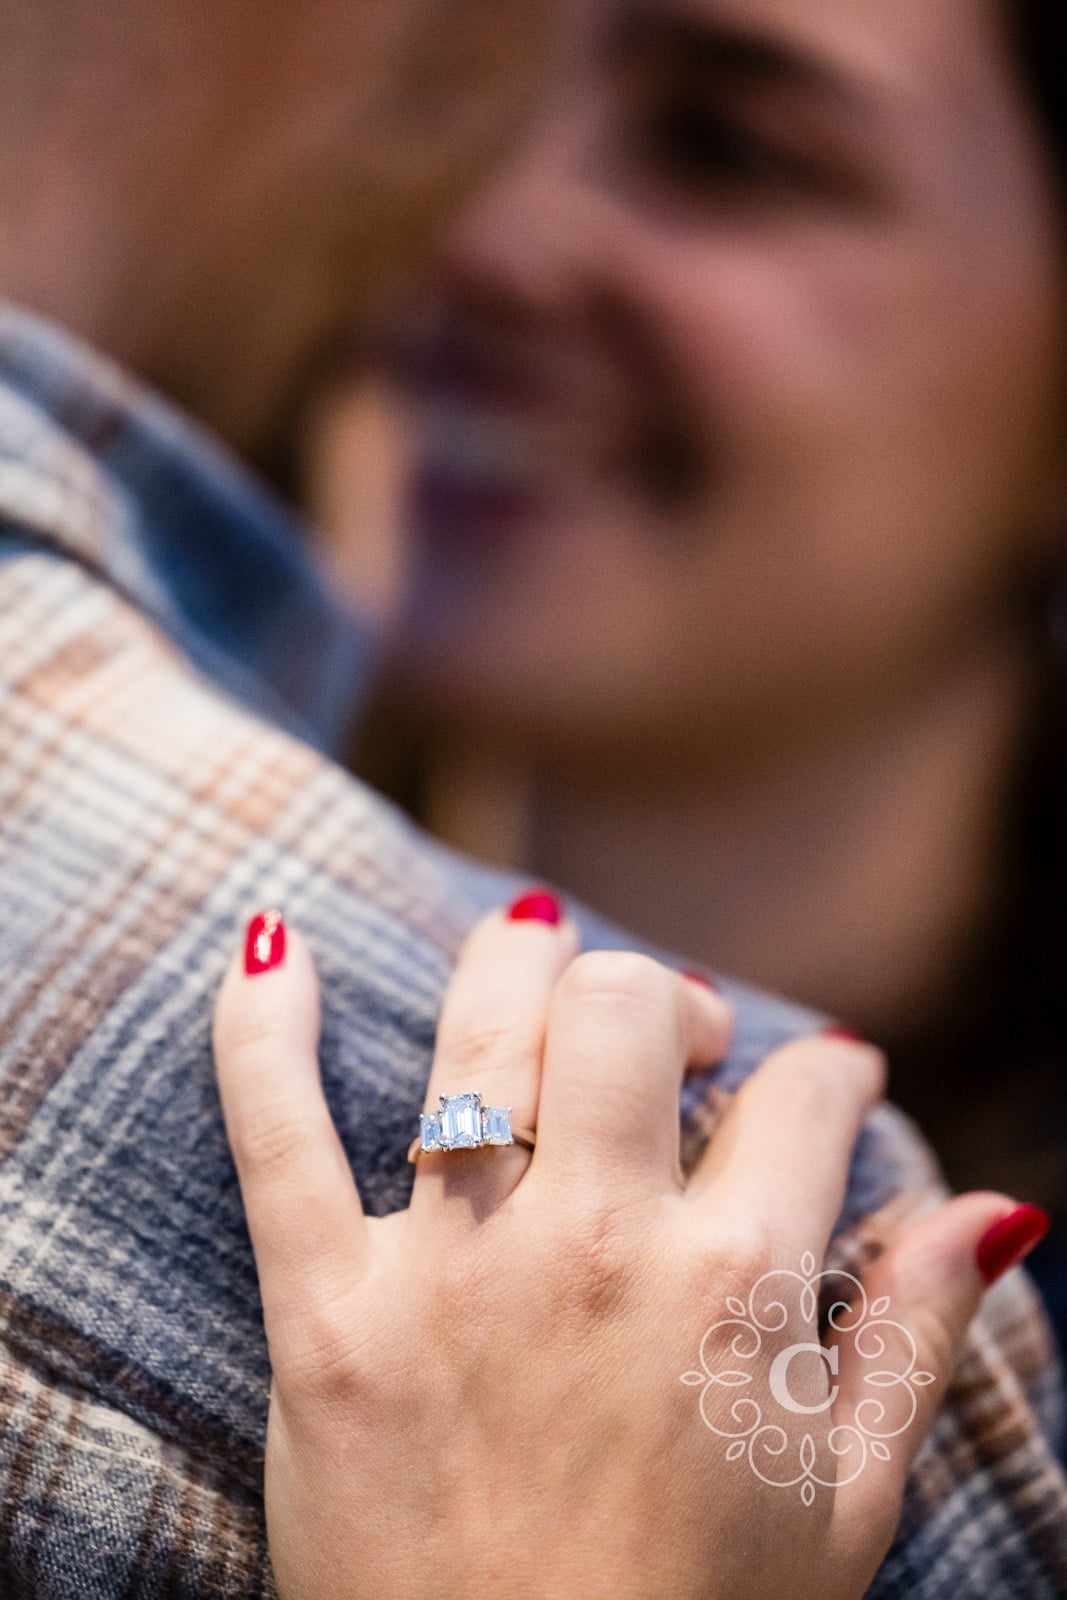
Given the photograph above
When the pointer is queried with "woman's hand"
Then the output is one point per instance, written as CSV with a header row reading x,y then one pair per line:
x,y
481,1395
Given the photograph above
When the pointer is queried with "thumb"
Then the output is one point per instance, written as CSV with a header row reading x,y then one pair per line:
x,y
922,1294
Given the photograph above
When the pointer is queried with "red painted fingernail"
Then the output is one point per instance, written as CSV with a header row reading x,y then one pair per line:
x,y
1010,1241
702,978
539,905
845,1035
264,943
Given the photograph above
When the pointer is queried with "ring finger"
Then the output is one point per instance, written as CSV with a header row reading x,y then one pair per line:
x,y
490,1041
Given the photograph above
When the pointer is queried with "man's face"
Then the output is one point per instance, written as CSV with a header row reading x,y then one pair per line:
x,y
314,149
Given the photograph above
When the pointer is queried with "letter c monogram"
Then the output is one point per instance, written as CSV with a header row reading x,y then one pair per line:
x,y
780,1377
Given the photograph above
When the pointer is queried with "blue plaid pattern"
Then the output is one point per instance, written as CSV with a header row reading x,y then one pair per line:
x,y
173,677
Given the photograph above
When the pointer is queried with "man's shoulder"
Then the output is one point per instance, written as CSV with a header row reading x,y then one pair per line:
x,y
146,815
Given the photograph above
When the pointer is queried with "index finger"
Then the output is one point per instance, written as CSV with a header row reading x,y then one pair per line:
x,y
304,1216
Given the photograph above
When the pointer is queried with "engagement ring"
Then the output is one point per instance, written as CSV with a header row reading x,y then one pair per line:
x,y
463,1123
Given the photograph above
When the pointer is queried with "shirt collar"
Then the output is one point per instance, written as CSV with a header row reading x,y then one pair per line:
x,y
94,464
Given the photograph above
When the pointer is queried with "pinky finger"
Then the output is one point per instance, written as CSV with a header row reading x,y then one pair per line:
x,y
922,1294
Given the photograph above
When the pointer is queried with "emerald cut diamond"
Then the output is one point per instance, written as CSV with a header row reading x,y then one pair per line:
x,y
461,1121
496,1125
430,1126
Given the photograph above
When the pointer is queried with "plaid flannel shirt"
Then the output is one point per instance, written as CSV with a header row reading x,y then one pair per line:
x,y
172,675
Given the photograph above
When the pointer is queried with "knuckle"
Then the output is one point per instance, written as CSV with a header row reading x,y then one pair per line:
x,y
617,977
809,1085
735,1256
600,1261
816,1085
246,1033
272,1143
320,1355
476,1044
863,1066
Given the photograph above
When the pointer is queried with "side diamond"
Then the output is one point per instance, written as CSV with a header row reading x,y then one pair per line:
x,y
496,1125
430,1125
